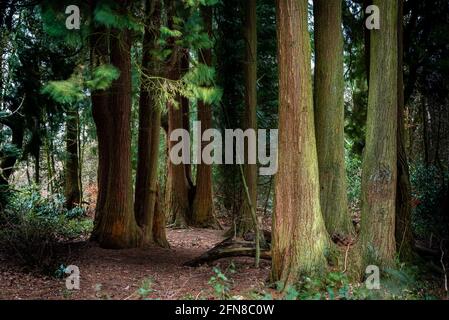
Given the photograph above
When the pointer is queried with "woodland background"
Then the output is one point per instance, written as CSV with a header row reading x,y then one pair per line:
x,y
363,123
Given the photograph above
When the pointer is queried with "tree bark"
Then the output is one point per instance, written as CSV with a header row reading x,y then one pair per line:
x,y
299,236
245,223
177,185
117,227
149,134
379,173
102,119
203,206
329,115
72,186
404,235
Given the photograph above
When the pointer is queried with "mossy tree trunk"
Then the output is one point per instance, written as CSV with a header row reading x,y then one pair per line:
x,y
379,173
329,115
300,239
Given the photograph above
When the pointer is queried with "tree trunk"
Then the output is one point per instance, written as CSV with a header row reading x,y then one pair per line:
x,y
203,206
117,226
7,164
149,133
159,234
102,119
404,235
299,235
177,185
379,175
329,115
72,187
185,106
245,223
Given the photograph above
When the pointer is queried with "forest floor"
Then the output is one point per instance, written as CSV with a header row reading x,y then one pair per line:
x,y
119,274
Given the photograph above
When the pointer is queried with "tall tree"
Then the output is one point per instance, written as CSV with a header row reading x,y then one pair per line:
x,y
146,191
379,173
299,236
72,168
404,235
116,225
178,188
329,115
203,205
245,222
100,102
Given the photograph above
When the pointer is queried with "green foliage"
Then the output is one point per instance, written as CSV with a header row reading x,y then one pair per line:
x,y
65,91
109,14
221,283
403,283
74,89
102,77
145,289
34,228
353,165
429,188
334,286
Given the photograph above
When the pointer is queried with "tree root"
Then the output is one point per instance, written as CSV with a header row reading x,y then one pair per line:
x,y
229,248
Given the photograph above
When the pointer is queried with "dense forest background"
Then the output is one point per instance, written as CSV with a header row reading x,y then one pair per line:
x,y
363,149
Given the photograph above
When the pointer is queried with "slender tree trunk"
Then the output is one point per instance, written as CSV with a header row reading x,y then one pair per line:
x,y
404,235
149,133
185,106
245,223
159,234
379,176
8,162
103,122
72,186
329,115
117,226
299,236
203,206
177,185
425,133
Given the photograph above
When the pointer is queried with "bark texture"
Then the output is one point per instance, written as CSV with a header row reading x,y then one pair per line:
x,y
245,223
178,188
404,235
146,191
379,173
203,206
299,239
116,225
72,168
329,115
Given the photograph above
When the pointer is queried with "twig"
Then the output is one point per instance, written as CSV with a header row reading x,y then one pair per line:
x,y
442,264
346,256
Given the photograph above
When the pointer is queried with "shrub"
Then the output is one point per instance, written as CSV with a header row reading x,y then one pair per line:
x,y
428,191
33,229
353,165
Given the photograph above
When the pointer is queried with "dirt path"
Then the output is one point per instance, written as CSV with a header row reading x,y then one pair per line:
x,y
118,274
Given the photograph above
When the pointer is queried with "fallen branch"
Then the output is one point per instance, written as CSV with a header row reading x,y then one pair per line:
x,y
229,248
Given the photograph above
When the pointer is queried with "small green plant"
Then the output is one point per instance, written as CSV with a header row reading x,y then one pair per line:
x,y
333,286
221,283
145,289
